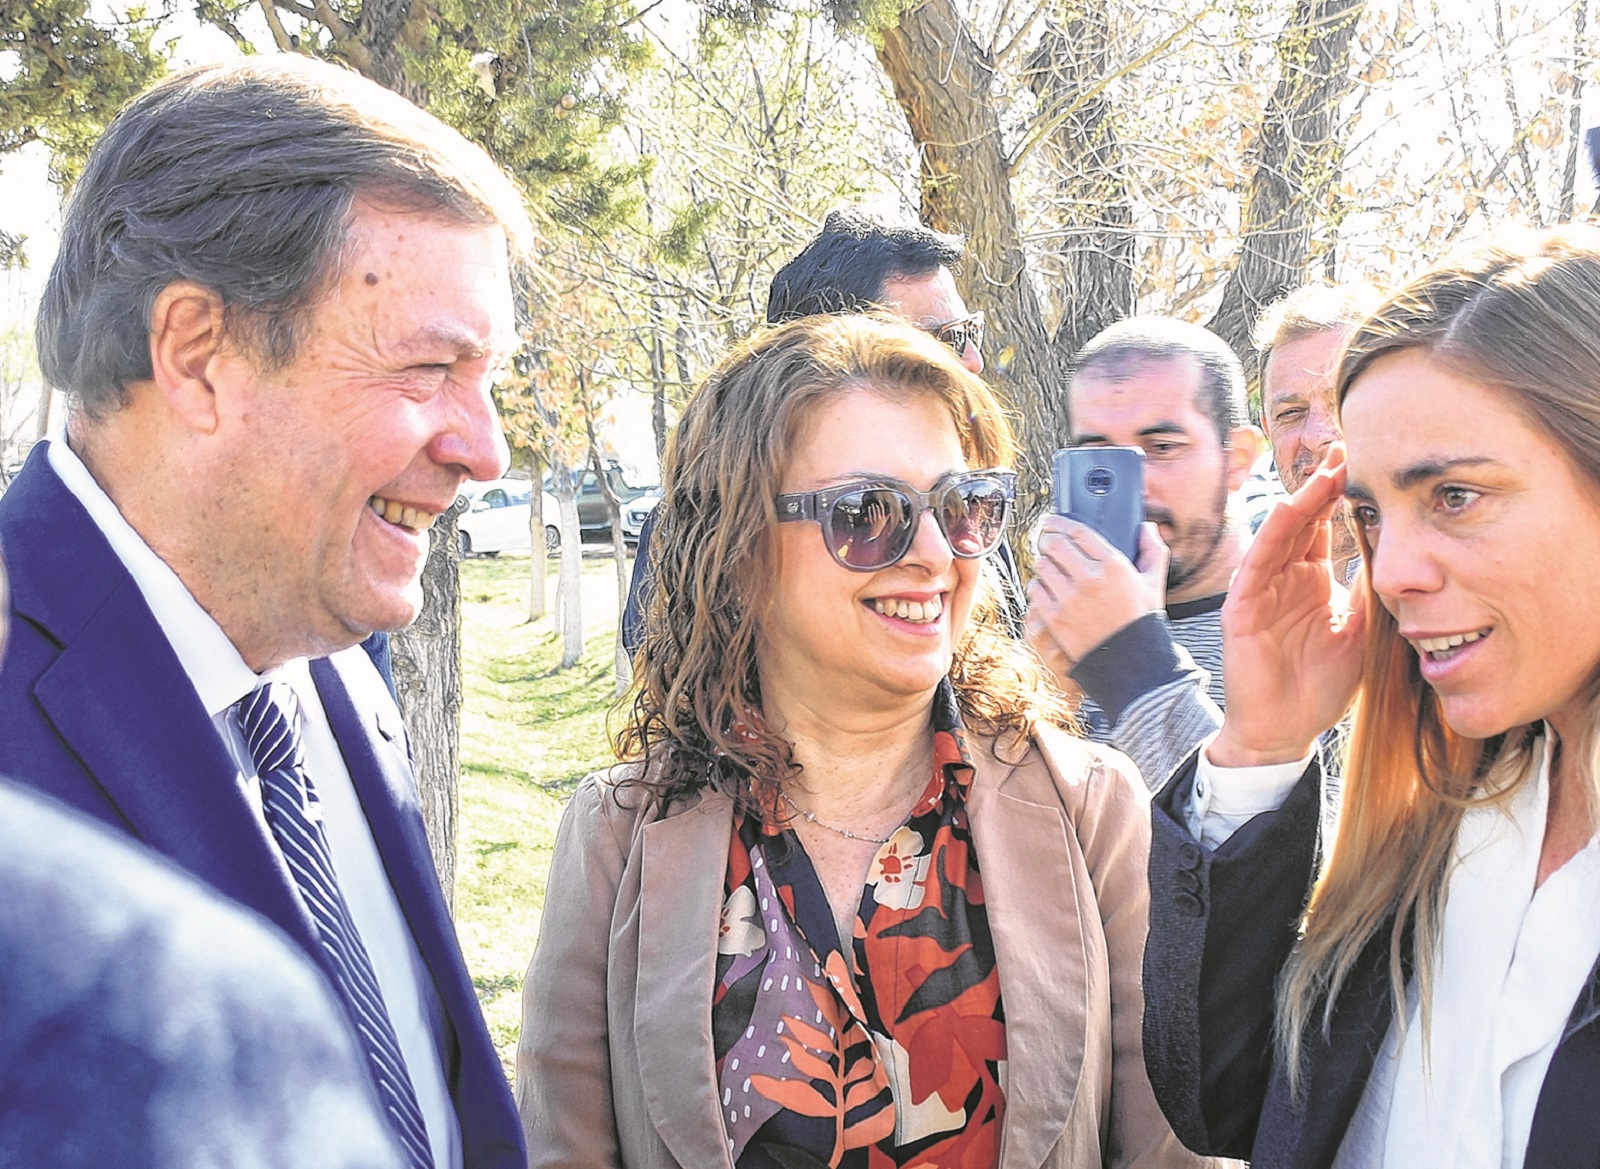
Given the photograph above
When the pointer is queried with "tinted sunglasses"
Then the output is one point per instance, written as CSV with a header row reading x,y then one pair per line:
x,y
871,525
961,332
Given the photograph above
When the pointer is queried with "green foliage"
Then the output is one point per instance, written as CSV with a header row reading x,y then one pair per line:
x,y
868,16
11,253
682,239
537,84
72,72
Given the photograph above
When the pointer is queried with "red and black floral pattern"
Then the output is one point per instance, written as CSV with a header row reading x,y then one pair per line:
x,y
892,1055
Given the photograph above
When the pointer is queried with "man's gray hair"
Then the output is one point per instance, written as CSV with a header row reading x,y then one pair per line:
x,y
1152,338
241,178
1318,307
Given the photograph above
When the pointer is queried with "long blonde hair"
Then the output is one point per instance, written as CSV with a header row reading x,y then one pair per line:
x,y
1521,316
696,710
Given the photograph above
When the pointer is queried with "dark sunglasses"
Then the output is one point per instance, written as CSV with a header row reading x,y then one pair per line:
x,y
961,332
871,525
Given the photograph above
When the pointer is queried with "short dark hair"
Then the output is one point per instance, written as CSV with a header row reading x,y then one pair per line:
x,y
846,266
241,178
1165,339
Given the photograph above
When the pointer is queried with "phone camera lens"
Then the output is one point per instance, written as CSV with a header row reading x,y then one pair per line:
x,y
1099,481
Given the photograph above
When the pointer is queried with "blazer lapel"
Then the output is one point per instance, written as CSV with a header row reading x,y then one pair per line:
x,y
680,909
372,741
1021,830
1566,1124
120,700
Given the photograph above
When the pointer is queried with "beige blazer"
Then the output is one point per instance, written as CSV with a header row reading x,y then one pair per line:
x,y
615,1064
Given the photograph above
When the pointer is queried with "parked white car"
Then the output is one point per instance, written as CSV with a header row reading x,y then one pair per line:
x,y
496,518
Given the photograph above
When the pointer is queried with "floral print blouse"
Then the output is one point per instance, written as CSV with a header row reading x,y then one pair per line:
x,y
890,1055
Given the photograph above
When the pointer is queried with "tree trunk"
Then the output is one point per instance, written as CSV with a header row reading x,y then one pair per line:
x,y
427,678
569,582
46,398
1580,65
539,558
619,556
1296,165
1097,263
942,79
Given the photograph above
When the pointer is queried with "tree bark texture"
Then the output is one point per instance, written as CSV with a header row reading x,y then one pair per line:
x,y
1580,65
943,80
1296,166
1097,261
569,580
427,678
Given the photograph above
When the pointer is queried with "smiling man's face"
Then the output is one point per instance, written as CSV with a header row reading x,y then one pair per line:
x,y
343,458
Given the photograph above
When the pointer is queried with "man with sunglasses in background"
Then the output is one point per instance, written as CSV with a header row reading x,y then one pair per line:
x,y
855,263
1143,642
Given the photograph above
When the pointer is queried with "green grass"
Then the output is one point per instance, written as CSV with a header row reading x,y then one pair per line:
x,y
528,734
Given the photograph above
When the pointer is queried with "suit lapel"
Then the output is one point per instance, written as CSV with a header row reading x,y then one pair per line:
x,y
372,743
1020,830
680,909
1566,1124
1337,1069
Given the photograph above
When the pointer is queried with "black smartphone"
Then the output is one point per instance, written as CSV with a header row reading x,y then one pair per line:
x,y
1103,486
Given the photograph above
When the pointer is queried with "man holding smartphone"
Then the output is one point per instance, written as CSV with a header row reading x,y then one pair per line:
x,y
1143,640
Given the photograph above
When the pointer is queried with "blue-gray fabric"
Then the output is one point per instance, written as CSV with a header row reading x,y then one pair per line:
x,y
146,1023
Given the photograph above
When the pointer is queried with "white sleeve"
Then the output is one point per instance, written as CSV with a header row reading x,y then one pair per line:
x,y
1223,799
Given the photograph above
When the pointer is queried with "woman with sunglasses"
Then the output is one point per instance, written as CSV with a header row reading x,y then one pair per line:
x,y
853,901
1436,1002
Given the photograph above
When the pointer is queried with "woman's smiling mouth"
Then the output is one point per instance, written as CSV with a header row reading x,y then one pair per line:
x,y
915,612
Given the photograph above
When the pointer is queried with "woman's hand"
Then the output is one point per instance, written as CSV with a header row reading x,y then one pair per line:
x,y
1291,656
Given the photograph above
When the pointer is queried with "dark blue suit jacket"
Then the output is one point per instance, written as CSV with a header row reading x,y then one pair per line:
x,y
96,710
1221,927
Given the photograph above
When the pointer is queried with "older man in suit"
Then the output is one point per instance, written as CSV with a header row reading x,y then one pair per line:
x,y
281,296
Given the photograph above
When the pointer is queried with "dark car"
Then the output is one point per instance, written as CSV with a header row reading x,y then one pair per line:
x,y
637,500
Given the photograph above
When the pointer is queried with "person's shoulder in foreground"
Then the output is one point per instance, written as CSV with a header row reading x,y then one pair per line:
x,y
148,1024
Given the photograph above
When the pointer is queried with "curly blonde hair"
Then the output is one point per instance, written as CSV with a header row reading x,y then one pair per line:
x,y
696,712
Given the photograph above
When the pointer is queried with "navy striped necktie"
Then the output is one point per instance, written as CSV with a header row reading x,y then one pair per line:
x,y
268,717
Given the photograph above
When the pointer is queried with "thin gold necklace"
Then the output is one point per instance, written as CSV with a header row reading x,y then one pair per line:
x,y
811,818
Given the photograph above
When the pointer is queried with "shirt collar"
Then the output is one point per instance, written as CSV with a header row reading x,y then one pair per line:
x,y
219,674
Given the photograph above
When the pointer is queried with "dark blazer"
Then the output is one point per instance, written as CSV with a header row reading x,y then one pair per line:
x,y
1221,926
96,710
147,1023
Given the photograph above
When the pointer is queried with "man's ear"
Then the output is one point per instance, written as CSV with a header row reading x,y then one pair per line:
x,y
1245,444
186,335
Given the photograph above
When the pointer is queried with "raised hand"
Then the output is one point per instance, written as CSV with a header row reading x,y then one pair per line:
x,y
1085,590
1291,653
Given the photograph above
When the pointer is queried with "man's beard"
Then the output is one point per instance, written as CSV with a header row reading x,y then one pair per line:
x,y
1304,466
1197,541
1345,544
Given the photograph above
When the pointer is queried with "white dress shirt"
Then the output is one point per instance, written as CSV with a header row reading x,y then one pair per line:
x,y
1512,960
221,677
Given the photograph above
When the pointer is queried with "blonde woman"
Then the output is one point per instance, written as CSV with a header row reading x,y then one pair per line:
x,y
853,901
1435,1001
